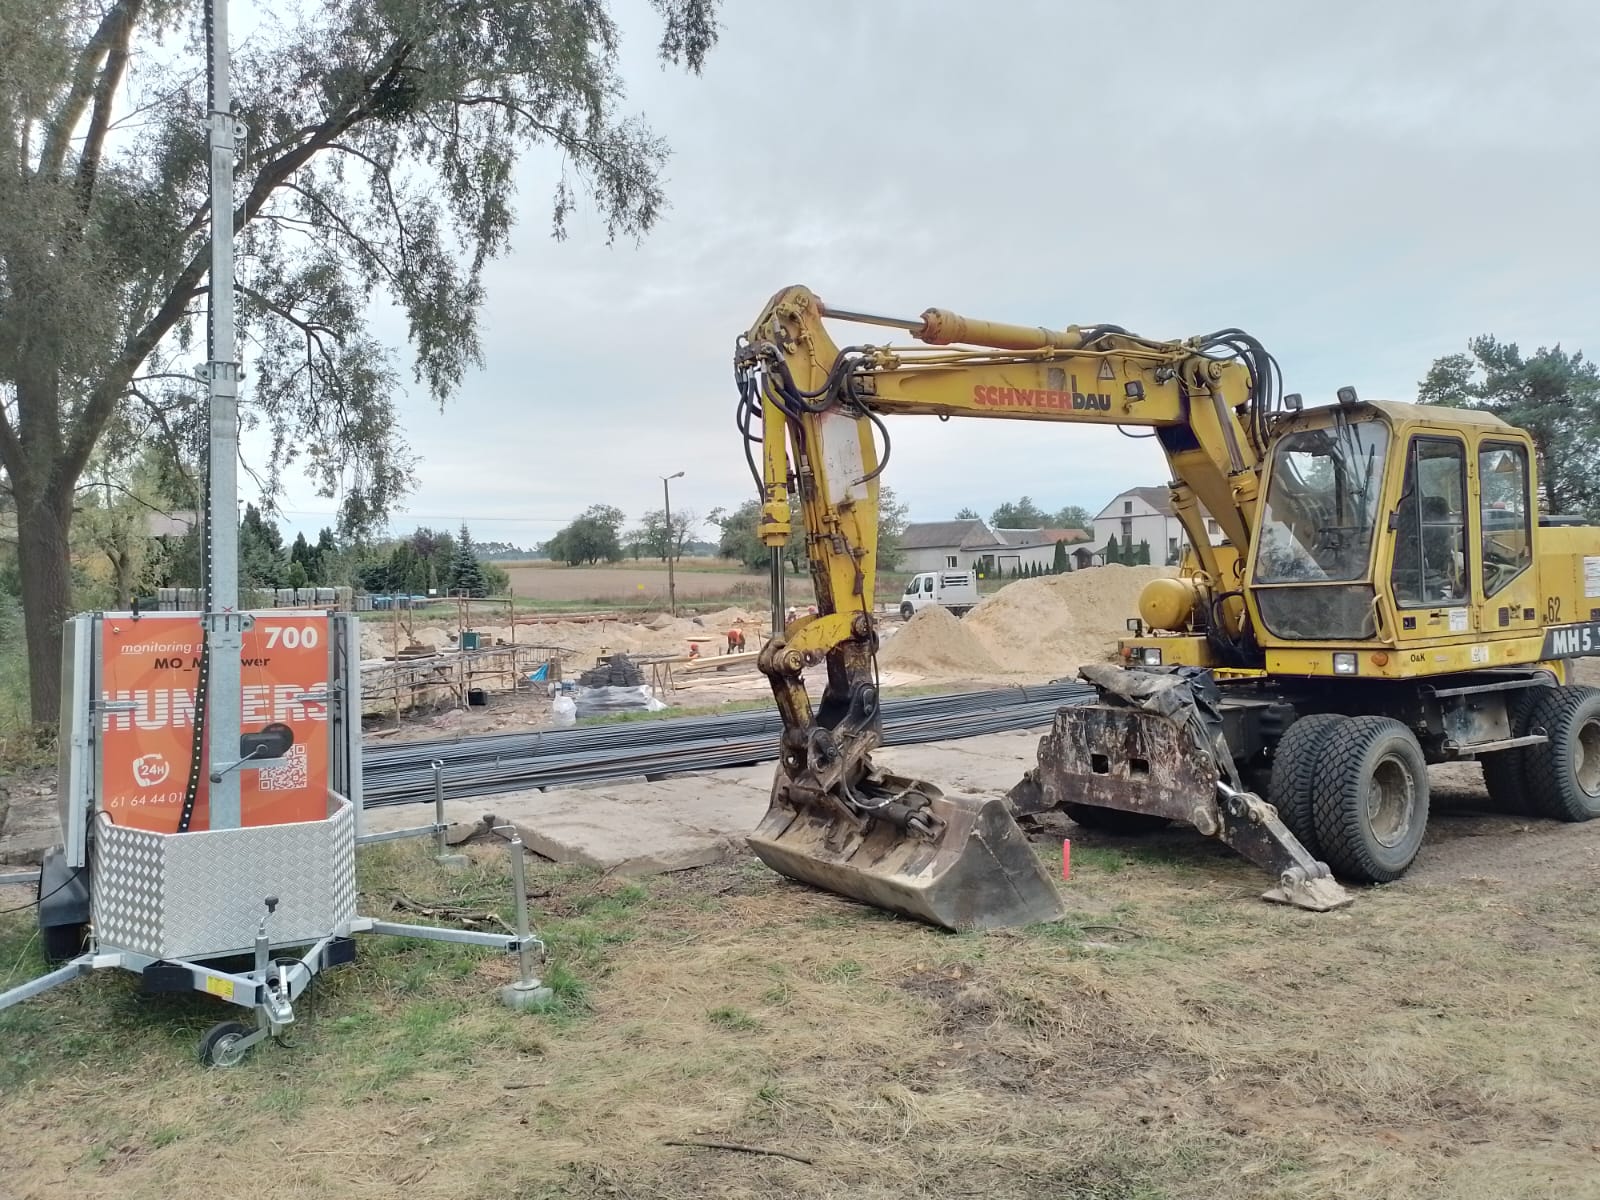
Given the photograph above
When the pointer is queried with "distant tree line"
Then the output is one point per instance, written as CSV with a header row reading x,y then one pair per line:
x,y
741,542
432,562
596,535
1025,514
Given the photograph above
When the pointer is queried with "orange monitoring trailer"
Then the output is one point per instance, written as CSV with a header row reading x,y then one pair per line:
x,y
143,881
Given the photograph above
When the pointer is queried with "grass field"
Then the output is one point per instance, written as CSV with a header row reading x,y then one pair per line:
x,y
1175,1038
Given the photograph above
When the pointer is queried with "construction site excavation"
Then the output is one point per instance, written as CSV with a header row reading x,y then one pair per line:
x,y
505,694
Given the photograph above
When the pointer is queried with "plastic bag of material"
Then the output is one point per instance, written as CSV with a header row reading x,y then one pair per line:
x,y
600,701
564,710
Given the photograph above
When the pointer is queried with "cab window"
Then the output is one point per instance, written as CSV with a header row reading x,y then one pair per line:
x,y
911,588
1430,526
1505,513
927,585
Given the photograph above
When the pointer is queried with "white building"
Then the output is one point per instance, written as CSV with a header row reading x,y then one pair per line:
x,y
1144,514
943,545
970,545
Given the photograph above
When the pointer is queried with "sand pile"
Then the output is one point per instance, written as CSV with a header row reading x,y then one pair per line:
x,y
937,642
1055,624
1043,628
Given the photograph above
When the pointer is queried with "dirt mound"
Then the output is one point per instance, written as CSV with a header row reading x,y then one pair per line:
x,y
936,642
1055,624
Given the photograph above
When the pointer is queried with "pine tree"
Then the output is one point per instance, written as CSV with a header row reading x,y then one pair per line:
x,y
1113,550
1143,559
1059,566
466,572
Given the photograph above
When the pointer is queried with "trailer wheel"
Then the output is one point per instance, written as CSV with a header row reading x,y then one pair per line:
x,y
1369,799
1114,820
1505,771
905,612
220,1046
1563,774
1295,761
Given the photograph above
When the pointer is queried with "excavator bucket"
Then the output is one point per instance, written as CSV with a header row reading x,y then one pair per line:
x,y
976,870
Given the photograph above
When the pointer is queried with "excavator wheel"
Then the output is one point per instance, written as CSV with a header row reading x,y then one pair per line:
x,y
1563,774
1295,761
1369,800
1114,820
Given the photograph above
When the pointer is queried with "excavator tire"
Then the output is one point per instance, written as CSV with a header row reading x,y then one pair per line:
x,y
1563,774
1295,761
1505,772
1114,820
1369,799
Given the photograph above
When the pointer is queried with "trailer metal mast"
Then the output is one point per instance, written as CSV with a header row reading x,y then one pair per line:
x,y
223,621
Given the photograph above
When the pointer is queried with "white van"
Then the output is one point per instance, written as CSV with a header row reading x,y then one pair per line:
x,y
955,590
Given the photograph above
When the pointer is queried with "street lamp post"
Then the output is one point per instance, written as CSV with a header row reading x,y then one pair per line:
x,y
666,500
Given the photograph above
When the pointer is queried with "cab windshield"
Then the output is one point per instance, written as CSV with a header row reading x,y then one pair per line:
x,y
1322,506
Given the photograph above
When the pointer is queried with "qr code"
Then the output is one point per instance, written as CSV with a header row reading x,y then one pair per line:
x,y
291,775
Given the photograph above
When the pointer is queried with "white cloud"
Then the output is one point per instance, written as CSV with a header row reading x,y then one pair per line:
x,y
1363,186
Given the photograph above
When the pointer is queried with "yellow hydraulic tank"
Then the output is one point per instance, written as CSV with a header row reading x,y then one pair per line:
x,y
1168,604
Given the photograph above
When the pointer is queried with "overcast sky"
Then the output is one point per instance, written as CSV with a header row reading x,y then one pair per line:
x,y
1363,186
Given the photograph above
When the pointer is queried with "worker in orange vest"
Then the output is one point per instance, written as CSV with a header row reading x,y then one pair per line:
x,y
735,640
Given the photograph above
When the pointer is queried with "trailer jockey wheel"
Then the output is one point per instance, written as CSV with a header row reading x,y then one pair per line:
x,y
221,1046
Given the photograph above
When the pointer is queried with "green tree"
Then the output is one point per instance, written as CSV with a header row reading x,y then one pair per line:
x,y
380,162
302,554
295,576
1060,566
1074,516
738,540
466,572
594,536
1142,558
1113,552
261,558
1024,514
117,499
891,528
1554,395
967,514
657,539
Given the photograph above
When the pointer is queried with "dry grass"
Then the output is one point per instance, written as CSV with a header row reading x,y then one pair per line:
x,y
1174,1038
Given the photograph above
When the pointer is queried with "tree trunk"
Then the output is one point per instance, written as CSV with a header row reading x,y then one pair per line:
x,y
44,523
122,575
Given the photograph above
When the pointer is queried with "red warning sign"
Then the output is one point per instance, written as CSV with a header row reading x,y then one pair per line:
x,y
148,671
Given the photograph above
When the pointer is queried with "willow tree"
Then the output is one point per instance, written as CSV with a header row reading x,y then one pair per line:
x,y
383,140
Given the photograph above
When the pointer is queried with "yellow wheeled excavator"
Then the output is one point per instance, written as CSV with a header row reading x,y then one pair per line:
x,y
1384,594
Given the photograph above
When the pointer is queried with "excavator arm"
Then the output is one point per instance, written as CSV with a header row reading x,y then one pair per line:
x,y
811,415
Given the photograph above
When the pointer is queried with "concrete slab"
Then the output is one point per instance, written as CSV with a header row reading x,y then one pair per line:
x,y
28,822
688,821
